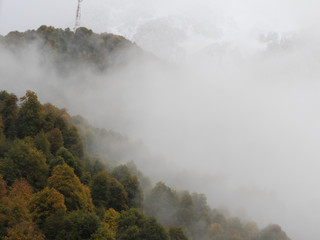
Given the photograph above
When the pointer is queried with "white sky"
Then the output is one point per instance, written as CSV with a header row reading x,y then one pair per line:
x,y
247,14
188,25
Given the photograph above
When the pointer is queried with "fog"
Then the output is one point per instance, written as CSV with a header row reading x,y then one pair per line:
x,y
234,113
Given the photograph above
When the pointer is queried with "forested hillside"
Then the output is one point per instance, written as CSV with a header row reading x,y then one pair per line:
x,y
74,49
53,187
61,178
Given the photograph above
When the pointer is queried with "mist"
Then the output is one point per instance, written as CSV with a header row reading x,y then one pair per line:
x,y
232,108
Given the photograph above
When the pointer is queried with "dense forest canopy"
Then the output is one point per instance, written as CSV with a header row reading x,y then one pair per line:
x,y
61,178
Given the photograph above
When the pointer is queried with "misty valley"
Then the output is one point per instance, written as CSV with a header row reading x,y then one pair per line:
x,y
61,177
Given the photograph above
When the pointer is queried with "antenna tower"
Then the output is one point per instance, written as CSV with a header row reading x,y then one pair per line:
x,y
78,16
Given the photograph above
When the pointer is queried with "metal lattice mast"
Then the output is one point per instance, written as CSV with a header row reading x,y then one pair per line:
x,y
78,16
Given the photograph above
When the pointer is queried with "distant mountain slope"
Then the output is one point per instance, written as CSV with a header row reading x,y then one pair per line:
x,y
75,48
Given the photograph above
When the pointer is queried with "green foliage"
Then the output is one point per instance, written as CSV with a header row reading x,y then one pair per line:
x,y
9,113
76,225
3,187
42,144
102,234
108,192
176,233
110,221
73,142
54,118
54,225
80,225
131,185
185,213
31,116
45,203
76,48
94,164
36,171
77,196
29,163
70,160
55,139
134,225
8,170
152,230
3,205
162,203
2,138
56,161
3,95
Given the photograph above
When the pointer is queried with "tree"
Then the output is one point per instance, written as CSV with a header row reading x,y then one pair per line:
x,y
251,230
81,225
73,142
29,163
42,144
24,231
45,203
134,225
108,192
102,234
162,203
176,233
131,185
215,232
110,221
54,226
17,153
219,218
55,139
272,232
70,160
100,189
36,169
185,213
234,235
201,215
54,118
56,161
235,223
152,230
31,116
16,203
8,170
9,112
2,138
3,201
77,196
3,187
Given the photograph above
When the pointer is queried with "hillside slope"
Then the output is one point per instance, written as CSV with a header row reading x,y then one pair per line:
x,y
61,178
75,49
52,187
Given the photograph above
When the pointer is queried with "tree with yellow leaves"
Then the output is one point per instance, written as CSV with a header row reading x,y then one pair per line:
x,y
77,196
